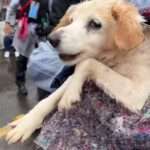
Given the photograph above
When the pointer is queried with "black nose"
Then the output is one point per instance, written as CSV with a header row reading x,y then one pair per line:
x,y
54,39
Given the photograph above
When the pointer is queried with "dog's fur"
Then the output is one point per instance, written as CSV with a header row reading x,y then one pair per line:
x,y
108,44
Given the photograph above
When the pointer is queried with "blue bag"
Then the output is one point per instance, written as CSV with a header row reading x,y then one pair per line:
x,y
44,65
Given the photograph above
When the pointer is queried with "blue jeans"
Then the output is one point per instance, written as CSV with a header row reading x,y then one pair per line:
x,y
57,82
8,40
62,76
46,69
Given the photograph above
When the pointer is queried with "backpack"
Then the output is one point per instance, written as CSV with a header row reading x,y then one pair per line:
x,y
23,8
43,13
43,16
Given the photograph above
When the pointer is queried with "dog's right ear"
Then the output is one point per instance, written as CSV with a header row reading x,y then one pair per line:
x,y
129,31
66,20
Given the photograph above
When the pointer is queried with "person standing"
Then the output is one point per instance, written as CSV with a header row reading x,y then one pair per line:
x,y
30,15
9,50
45,68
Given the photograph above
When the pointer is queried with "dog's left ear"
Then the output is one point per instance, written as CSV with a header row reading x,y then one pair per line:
x,y
129,32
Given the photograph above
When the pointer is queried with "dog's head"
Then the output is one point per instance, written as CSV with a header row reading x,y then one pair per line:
x,y
91,27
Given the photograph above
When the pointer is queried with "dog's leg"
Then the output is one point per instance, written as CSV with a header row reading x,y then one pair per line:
x,y
25,126
72,94
131,94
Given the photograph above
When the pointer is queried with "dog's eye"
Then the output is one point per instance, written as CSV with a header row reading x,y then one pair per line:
x,y
92,24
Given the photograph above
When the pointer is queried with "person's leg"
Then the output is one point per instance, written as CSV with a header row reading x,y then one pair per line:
x,y
42,93
7,45
57,82
8,48
21,66
62,76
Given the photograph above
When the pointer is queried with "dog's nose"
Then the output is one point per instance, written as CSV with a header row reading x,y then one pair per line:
x,y
54,39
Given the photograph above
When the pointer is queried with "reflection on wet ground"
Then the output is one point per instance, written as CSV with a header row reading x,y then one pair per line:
x,y
11,104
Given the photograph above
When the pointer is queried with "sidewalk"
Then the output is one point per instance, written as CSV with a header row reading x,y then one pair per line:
x,y
10,104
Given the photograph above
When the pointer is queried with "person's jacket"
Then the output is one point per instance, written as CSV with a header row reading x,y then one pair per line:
x,y
58,9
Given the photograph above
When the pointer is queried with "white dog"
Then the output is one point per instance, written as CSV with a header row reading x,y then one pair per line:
x,y
108,44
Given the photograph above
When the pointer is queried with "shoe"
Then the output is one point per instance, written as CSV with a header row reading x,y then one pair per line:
x,y
16,54
22,90
6,54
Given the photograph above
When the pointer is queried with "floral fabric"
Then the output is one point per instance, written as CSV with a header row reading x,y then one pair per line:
x,y
97,123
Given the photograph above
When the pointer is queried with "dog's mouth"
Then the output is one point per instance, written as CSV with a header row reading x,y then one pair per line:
x,y
68,57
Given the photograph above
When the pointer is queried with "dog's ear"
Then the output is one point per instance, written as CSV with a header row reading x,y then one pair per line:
x,y
66,20
129,32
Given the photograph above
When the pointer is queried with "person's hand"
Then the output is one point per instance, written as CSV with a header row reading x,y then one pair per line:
x,y
8,29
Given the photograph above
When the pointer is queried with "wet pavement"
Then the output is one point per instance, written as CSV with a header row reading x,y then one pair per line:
x,y
10,104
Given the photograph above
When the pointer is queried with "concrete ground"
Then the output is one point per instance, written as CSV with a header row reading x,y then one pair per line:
x,y
10,104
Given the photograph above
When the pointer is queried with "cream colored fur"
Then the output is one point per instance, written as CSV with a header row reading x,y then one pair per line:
x,y
116,57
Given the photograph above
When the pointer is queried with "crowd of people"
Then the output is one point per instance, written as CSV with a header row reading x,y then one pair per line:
x,y
28,24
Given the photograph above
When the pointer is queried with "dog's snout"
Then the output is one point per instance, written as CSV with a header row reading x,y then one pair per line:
x,y
54,39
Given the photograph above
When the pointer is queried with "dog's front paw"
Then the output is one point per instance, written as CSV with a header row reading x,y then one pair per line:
x,y
23,128
70,97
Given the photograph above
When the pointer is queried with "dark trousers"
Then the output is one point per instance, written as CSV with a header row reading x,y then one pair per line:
x,y
21,67
62,76
42,94
57,82
8,44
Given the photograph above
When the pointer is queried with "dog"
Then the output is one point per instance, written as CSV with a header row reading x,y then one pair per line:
x,y
109,45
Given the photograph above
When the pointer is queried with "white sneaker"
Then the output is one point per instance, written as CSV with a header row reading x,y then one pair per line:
x,y
6,54
16,54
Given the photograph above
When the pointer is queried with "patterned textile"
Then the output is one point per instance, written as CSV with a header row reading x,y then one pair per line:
x,y
97,123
